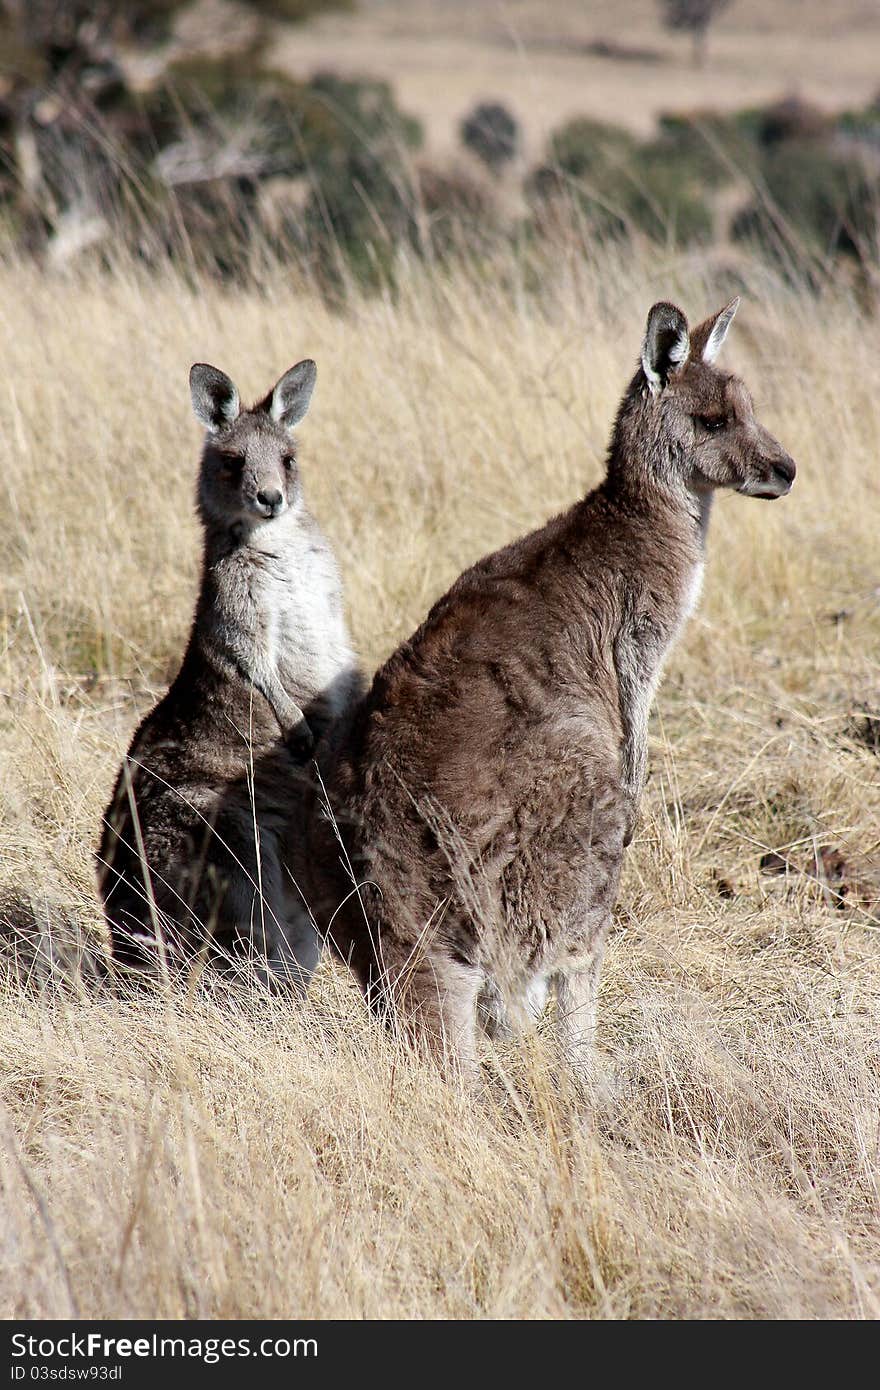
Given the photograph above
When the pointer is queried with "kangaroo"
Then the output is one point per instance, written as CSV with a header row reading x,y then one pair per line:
x,y
205,810
481,795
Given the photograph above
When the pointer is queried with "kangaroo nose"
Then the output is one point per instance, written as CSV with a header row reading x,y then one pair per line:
x,y
270,498
787,467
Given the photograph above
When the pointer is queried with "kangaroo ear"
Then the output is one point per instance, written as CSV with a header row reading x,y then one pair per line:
x,y
666,345
290,399
708,339
214,397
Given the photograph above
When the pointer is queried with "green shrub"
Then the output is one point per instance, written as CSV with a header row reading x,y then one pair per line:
x,y
359,114
709,148
357,215
581,174
665,199
861,126
355,141
619,186
584,147
817,200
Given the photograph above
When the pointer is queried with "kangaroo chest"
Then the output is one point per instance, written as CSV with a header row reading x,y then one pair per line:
x,y
646,636
300,631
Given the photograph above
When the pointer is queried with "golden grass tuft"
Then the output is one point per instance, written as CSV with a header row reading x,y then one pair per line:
x,y
230,1156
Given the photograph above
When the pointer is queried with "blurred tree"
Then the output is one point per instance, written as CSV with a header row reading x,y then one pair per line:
x,y
82,149
62,29
695,16
60,75
492,134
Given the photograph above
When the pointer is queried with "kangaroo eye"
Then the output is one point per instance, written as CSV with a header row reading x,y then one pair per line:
x,y
232,466
288,461
712,423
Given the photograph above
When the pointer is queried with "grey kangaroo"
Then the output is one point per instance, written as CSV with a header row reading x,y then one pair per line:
x,y
206,810
481,795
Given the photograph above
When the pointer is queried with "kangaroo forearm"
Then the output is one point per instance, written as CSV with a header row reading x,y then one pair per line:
x,y
634,761
634,710
291,719
288,713
634,656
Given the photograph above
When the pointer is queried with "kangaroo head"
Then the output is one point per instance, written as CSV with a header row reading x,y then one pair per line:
x,y
701,421
249,473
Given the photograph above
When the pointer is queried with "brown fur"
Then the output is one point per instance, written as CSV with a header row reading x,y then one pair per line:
x,y
484,789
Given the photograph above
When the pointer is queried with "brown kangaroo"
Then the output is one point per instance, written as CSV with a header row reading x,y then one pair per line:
x,y
481,794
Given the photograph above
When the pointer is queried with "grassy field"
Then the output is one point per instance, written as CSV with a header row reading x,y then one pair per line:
x,y
231,1156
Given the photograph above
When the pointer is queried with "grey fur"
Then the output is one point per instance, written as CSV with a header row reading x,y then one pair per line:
x,y
215,399
291,396
206,811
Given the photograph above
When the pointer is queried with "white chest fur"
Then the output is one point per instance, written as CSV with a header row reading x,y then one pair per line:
x,y
640,655
278,613
300,632
692,596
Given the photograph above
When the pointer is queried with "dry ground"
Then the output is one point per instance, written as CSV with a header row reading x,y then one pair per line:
x,y
442,56
211,1157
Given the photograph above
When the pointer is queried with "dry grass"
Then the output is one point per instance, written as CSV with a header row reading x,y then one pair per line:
x,y
233,1157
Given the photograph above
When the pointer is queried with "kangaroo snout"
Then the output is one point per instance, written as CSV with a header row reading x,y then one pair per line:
x,y
778,479
271,500
786,469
